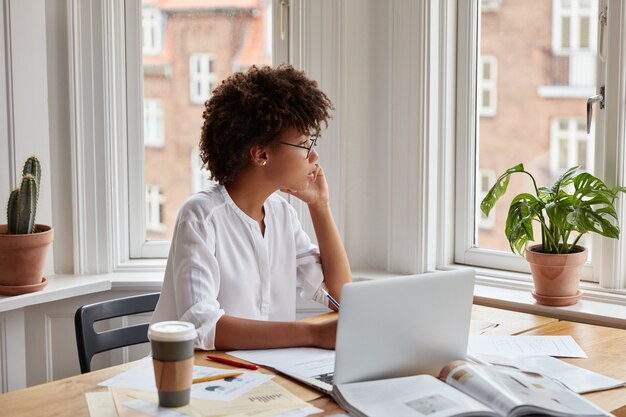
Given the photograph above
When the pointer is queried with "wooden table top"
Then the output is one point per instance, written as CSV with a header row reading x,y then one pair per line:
x,y
605,347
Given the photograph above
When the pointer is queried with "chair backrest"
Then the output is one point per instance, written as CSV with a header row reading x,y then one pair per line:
x,y
90,342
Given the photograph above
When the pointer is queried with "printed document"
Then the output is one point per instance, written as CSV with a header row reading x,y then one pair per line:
x,y
563,346
306,361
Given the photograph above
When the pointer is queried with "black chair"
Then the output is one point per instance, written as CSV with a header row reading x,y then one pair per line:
x,y
90,342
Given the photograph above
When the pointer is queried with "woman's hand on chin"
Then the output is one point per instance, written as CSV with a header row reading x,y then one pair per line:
x,y
316,192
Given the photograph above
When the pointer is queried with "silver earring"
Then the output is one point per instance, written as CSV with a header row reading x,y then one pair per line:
x,y
264,163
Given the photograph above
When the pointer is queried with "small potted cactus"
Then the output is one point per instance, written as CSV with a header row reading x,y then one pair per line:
x,y
23,243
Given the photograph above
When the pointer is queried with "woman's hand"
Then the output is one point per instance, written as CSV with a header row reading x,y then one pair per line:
x,y
316,192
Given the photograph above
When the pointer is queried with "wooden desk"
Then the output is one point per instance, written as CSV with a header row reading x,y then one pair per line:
x,y
605,347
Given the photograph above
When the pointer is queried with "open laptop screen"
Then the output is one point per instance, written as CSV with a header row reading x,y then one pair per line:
x,y
401,326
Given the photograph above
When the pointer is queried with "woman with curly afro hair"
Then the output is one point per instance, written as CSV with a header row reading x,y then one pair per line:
x,y
239,253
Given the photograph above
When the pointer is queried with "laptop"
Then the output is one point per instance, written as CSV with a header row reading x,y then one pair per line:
x,y
398,327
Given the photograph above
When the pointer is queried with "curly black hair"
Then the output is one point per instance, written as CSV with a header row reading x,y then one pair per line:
x,y
252,108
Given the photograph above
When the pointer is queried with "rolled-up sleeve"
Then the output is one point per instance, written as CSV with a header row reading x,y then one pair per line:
x,y
310,275
196,279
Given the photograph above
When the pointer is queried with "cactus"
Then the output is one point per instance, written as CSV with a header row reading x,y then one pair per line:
x,y
22,207
33,167
12,211
27,205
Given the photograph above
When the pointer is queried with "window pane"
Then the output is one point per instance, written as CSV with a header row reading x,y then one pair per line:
x,y
188,48
584,32
565,42
582,154
539,107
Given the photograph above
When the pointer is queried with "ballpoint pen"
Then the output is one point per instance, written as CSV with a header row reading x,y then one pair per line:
x,y
232,362
330,298
216,377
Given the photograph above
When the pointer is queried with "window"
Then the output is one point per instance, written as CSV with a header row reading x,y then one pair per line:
x,y
486,179
488,84
490,5
199,175
545,132
202,77
574,25
199,48
154,209
153,135
570,145
152,31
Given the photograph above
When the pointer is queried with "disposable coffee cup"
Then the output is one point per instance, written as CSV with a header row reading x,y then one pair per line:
x,y
172,359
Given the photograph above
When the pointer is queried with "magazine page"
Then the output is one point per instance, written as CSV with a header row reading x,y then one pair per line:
x,y
513,392
475,382
577,379
407,397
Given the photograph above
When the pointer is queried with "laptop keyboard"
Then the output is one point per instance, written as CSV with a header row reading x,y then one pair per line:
x,y
327,378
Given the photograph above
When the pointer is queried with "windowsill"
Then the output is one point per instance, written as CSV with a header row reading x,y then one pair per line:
x,y
598,306
61,287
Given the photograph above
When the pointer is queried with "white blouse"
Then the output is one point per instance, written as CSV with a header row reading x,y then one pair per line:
x,y
220,263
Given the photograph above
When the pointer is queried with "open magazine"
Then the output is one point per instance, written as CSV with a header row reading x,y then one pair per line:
x,y
468,390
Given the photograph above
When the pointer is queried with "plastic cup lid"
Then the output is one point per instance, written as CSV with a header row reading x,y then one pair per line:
x,y
172,331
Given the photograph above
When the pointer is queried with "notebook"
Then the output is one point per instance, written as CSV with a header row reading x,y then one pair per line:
x,y
397,327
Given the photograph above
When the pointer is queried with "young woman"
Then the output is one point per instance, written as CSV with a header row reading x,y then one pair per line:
x,y
238,251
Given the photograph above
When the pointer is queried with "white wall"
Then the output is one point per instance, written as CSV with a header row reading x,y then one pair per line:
x,y
24,122
60,134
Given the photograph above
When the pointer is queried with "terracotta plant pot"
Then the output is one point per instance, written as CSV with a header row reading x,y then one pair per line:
x,y
23,260
556,277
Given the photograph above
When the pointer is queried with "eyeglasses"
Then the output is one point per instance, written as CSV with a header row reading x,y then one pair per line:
x,y
313,140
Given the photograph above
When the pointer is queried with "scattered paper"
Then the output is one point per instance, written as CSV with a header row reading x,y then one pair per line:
x,y
562,346
121,396
142,378
267,397
307,361
100,404
301,412
577,379
229,388
297,412
153,409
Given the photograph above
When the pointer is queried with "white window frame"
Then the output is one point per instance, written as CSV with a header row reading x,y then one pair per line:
x,y
153,123
268,28
575,13
488,85
202,80
572,135
135,231
105,108
152,30
608,267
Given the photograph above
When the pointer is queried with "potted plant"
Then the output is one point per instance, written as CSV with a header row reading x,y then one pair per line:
x,y
23,243
577,203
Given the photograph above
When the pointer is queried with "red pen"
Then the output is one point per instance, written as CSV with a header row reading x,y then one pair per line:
x,y
232,362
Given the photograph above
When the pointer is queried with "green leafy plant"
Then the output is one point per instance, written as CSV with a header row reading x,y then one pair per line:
x,y
23,201
564,217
